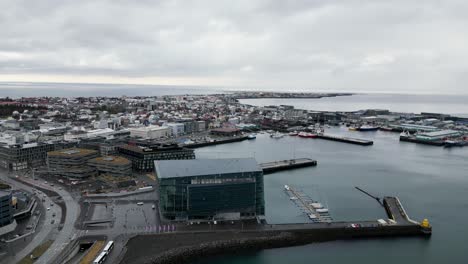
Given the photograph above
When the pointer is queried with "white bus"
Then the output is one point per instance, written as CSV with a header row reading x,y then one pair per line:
x,y
108,248
101,258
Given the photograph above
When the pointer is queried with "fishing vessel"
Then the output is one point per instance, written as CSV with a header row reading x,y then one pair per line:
x,y
307,135
455,143
368,128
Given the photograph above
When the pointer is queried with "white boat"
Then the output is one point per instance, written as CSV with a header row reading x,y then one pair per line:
x,y
293,198
312,216
277,135
322,210
316,205
140,203
286,187
293,133
252,136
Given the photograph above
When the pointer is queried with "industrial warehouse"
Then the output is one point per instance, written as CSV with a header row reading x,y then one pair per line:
x,y
211,189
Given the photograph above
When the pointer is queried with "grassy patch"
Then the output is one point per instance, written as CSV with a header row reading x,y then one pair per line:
x,y
37,252
93,252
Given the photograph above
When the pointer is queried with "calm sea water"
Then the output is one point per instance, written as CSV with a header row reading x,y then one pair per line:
x,y
431,182
409,103
86,89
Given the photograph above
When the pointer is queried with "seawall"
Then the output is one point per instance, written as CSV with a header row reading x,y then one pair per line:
x,y
186,247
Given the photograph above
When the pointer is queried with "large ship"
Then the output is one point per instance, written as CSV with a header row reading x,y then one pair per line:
x,y
307,135
367,128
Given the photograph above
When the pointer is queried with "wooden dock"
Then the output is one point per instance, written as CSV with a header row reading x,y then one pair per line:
x,y
274,166
356,141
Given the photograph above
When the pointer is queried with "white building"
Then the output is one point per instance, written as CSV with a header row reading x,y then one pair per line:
x,y
78,134
176,128
150,132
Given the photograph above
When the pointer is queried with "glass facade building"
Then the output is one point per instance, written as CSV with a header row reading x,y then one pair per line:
x,y
143,158
210,189
6,209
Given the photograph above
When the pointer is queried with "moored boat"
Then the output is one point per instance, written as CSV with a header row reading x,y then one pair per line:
x,y
277,135
252,136
307,135
367,128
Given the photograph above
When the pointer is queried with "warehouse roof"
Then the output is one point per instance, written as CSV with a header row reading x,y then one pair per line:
x,y
199,167
441,133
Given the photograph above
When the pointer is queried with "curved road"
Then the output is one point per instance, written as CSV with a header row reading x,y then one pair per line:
x,y
68,232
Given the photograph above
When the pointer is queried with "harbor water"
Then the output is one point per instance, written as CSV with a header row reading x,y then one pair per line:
x,y
431,182
408,103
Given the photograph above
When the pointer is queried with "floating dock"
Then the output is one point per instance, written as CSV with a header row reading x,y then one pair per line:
x,y
274,166
313,209
356,141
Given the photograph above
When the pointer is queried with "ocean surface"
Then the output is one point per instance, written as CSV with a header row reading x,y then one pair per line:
x,y
16,90
431,182
408,103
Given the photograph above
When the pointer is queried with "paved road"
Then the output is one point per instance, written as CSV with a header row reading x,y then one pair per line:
x,y
68,231
63,237
42,231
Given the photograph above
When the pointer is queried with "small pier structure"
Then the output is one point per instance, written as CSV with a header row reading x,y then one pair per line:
x,y
313,209
356,141
214,142
274,166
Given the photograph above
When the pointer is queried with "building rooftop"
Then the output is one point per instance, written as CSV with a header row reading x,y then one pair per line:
x,y
199,167
111,160
4,193
72,152
141,149
440,133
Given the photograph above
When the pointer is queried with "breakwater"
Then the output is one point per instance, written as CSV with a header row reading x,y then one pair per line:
x,y
190,246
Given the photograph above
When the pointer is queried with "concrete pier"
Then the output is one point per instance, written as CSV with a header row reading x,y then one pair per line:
x,y
356,141
437,143
274,166
215,142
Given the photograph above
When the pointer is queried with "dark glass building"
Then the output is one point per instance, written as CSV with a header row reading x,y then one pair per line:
x,y
211,189
6,209
143,157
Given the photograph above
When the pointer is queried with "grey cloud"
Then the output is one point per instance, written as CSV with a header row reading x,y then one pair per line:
x,y
352,45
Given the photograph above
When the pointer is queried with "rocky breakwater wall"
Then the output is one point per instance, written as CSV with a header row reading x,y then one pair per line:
x,y
189,253
190,246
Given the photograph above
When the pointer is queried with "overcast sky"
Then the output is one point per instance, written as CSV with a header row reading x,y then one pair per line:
x,y
348,45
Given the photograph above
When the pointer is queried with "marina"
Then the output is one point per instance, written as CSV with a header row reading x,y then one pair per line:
x,y
314,210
